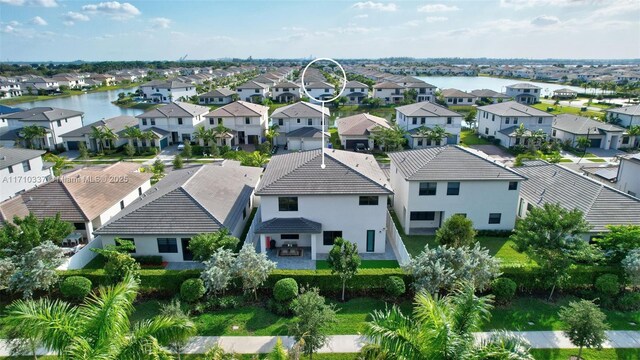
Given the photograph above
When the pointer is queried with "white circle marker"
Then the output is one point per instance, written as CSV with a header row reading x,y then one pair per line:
x,y
321,101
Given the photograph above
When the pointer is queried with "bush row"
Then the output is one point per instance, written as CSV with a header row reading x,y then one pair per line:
x,y
530,279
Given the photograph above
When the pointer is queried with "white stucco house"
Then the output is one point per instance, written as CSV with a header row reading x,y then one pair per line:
x,y
87,197
524,93
247,122
308,207
355,92
55,122
359,129
285,91
569,128
21,170
388,92
489,95
628,179
300,125
187,202
628,115
458,97
118,124
9,90
501,120
167,91
253,91
221,96
174,122
319,90
414,118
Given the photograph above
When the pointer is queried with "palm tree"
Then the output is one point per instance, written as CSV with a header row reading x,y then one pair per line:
x,y
256,159
109,136
272,133
99,328
133,133
441,328
634,130
97,134
59,163
219,132
149,135
437,134
206,135
32,132
583,143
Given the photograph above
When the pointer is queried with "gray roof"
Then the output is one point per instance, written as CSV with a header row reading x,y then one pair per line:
x,y
360,124
426,108
12,156
319,85
239,109
306,132
43,114
627,110
511,131
346,172
449,163
512,108
289,226
565,90
286,84
356,84
456,93
252,85
601,204
220,92
175,109
301,109
523,86
488,93
192,200
173,85
116,124
387,85
580,125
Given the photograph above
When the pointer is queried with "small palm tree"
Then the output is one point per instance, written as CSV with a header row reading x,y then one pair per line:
x,y
59,163
272,133
219,132
99,328
256,159
437,134
33,132
149,135
98,135
206,135
109,136
583,143
133,133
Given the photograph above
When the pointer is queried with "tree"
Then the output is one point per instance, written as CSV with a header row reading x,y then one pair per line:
x,y
174,310
218,271
255,159
100,328
219,132
133,133
252,268
119,263
97,133
272,133
187,152
59,163
312,322
437,134
23,234
33,132
214,151
409,96
390,139
129,150
583,143
177,162
631,266
344,260
278,352
456,231
34,270
158,169
551,236
443,268
82,149
203,134
204,245
619,240
440,328
470,118
586,324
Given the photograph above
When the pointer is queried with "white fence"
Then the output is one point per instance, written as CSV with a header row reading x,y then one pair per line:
x,y
396,242
82,257
251,234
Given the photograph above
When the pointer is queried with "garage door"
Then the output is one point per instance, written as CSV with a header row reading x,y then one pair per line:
x,y
596,143
351,144
312,144
293,144
72,145
164,143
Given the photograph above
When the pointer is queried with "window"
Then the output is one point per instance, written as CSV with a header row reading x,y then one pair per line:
x,y
167,245
280,122
449,121
486,131
289,203
328,237
453,188
309,122
494,218
539,120
506,121
326,90
513,185
244,213
59,123
127,239
80,226
256,91
179,121
289,236
414,121
419,142
10,169
26,166
368,200
139,191
144,122
625,140
298,121
121,204
428,188
515,121
153,122
423,121
422,215
212,121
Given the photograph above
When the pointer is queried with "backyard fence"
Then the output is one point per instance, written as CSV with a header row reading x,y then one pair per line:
x,y
396,242
83,256
251,234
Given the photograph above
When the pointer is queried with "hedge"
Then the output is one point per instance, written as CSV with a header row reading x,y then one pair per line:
x,y
529,279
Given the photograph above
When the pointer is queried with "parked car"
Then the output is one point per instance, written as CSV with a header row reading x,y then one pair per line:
x,y
180,146
360,147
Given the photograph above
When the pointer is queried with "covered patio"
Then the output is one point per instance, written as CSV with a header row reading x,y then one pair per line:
x,y
289,237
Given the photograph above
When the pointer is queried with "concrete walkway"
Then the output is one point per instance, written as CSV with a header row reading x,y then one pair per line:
x,y
353,343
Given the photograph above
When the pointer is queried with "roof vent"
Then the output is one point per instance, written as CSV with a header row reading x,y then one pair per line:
x,y
30,198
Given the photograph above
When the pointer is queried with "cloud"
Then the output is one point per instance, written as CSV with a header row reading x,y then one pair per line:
x,y
521,4
361,16
432,19
433,8
617,7
38,21
545,20
161,22
114,9
72,17
370,5
41,3
8,29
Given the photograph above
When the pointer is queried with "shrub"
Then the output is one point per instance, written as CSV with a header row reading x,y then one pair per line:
x,y
394,286
279,308
75,287
192,290
608,284
504,289
629,301
285,290
148,259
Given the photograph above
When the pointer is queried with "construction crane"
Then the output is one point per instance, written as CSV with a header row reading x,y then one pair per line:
x,y
183,58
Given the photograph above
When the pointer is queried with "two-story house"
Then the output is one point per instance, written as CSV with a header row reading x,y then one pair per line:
x,y
300,125
355,92
253,91
285,91
433,184
320,90
503,120
177,120
629,174
9,90
420,118
388,92
357,131
627,115
458,97
55,122
246,121
524,93
221,96
21,170
168,91
308,207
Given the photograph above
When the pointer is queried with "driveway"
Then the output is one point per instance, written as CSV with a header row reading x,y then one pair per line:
x,y
495,152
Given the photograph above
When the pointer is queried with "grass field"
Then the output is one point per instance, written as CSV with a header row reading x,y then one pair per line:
x,y
559,109
469,137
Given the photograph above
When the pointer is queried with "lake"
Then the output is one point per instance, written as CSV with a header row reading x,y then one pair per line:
x,y
96,106
468,83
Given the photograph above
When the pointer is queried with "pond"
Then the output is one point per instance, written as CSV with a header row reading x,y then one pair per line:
x,y
468,83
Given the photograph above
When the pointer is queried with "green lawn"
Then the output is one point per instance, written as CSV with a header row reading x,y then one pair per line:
x,y
587,354
544,316
469,137
366,264
563,160
335,138
597,160
559,109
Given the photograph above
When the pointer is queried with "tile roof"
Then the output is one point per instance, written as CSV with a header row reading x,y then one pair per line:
x,y
456,93
488,93
289,225
628,110
580,125
43,114
512,108
319,85
299,110
252,85
356,84
117,124
449,163
523,86
360,124
426,108
306,132
346,172
239,109
175,109
601,204
387,85
220,92
12,156
191,200
286,84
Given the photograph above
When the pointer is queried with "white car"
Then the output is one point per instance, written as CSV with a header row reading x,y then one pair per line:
x,y
180,146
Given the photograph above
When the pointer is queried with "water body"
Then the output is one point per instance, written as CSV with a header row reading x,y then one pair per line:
x,y
96,106
468,83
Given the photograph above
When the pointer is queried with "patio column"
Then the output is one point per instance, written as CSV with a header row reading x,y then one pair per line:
x,y
313,246
263,243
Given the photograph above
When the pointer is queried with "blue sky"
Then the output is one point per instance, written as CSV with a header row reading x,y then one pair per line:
x,y
60,30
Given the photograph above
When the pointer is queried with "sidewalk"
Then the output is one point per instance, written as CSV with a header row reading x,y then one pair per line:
x,y
353,343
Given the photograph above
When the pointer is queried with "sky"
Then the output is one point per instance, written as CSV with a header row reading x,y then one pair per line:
x,y
60,30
